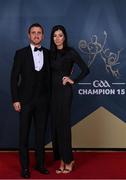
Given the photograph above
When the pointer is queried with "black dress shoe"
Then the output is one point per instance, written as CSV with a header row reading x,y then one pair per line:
x,y
41,170
25,173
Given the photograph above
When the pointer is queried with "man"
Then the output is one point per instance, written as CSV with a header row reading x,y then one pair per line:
x,y
30,79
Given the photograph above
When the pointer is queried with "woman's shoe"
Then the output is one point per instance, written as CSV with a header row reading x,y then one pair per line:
x,y
69,168
59,171
61,168
66,171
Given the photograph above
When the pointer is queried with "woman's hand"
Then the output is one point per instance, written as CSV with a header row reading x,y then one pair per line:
x,y
67,80
17,106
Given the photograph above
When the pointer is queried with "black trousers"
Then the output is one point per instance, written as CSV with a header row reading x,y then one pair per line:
x,y
36,111
60,119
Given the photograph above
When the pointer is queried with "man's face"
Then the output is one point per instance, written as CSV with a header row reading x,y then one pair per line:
x,y
36,36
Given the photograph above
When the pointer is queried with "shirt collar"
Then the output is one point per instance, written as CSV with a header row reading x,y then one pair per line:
x,y
32,47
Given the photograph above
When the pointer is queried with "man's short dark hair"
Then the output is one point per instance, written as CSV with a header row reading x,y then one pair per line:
x,y
35,25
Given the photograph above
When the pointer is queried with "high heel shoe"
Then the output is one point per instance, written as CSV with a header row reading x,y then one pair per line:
x,y
61,168
59,171
69,168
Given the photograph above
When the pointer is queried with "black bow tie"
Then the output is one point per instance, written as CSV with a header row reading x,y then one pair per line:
x,y
38,49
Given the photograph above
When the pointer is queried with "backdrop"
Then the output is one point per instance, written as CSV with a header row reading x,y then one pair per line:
x,y
97,30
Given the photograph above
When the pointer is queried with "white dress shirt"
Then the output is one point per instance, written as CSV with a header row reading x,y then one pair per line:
x,y
38,58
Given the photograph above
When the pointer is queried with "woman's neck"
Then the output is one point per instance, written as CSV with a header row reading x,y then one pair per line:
x,y
60,47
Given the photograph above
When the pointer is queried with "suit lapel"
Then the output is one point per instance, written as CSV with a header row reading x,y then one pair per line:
x,y
30,57
44,56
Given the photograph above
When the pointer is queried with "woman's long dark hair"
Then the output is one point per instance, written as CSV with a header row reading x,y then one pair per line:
x,y
53,48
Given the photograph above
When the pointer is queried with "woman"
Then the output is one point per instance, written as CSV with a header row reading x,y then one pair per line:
x,y
62,60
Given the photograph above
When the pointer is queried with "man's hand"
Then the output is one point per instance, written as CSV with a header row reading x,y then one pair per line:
x,y
17,106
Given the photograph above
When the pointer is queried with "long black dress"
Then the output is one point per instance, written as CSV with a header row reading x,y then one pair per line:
x,y
62,66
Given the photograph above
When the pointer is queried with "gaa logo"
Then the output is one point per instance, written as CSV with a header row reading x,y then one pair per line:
x,y
100,83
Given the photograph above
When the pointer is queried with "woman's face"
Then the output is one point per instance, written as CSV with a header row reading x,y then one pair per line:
x,y
58,38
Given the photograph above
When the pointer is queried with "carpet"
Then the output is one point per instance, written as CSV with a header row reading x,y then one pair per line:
x,y
88,165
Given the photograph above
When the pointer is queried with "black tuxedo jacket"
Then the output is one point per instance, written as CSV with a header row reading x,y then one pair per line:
x,y
23,75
